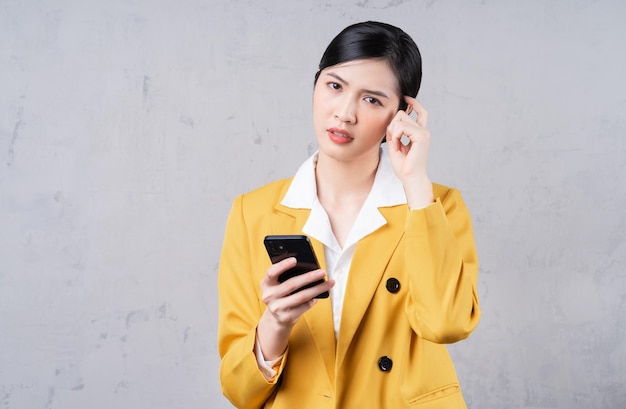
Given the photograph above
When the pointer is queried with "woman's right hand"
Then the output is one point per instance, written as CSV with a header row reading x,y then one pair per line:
x,y
284,309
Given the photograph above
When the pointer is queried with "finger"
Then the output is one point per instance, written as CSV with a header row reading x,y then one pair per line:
x,y
273,289
392,136
299,281
278,268
271,278
304,296
290,305
288,314
422,113
401,125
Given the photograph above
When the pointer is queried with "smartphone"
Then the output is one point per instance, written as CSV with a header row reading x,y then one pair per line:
x,y
298,246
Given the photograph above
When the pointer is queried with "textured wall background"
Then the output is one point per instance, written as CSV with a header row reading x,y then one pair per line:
x,y
127,128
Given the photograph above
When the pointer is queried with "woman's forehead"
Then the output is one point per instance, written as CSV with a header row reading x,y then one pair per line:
x,y
366,73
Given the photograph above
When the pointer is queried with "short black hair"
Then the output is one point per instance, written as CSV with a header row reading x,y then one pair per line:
x,y
376,40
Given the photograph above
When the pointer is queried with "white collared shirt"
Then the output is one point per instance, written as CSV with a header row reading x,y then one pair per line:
x,y
386,191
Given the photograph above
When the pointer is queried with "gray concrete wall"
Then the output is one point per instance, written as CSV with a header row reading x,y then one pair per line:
x,y
127,128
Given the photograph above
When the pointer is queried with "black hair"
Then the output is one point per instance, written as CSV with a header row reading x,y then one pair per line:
x,y
375,40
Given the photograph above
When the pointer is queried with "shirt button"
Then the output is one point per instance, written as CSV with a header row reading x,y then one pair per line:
x,y
393,285
385,363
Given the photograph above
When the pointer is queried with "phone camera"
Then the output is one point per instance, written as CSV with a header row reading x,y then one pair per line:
x,y
278,247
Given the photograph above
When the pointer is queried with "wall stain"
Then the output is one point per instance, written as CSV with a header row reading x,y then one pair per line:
x,y
134,317
103,336
390,4
5,399
15,135
121,385
162,311
259,139
146,88
50,397
187,121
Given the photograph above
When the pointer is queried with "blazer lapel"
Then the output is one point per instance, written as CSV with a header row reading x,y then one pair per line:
x,y
368,265
318,319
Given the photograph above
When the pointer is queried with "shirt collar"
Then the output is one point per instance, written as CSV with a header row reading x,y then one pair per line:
x,y
386,191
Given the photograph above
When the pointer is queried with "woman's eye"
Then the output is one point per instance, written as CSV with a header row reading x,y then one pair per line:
x,y
334,85
372,100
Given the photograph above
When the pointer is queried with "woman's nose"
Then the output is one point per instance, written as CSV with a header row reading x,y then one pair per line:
x,y
345,110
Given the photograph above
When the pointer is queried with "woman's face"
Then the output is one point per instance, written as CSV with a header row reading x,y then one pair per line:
x,y
353,103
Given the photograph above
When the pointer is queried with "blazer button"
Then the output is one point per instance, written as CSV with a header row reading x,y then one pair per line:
x,y
393,285
385,363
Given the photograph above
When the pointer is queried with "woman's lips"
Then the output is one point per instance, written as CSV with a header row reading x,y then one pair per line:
x,y
339,136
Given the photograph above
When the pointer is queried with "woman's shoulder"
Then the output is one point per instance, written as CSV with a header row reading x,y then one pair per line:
x,y
269,190
446,193
442,190
266,196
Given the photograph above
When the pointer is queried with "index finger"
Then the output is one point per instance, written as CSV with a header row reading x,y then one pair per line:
x,y
280,267
422,113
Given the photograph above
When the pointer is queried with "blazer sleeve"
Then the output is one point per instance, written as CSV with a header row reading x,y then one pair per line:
x,y
442,265
239,312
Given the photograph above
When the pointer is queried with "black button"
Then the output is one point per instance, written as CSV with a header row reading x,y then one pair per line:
x,y
393,285
385,363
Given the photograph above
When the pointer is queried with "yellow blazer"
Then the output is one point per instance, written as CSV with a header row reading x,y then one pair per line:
x,y
411,289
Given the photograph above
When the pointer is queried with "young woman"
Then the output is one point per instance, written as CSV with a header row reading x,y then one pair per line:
x,y
396,252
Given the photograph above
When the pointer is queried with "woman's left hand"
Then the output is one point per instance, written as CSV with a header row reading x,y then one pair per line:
x,y
410,161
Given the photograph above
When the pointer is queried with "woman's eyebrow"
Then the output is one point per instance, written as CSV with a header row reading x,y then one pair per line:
x,y
367,91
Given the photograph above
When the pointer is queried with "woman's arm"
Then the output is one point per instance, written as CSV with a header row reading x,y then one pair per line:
x,y
440,256
442,266
239,312
247,317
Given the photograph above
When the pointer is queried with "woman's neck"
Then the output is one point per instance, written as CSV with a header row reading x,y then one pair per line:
x,y
342,188
341,180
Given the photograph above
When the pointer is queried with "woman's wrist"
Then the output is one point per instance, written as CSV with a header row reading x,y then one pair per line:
x,y
419,192
273,336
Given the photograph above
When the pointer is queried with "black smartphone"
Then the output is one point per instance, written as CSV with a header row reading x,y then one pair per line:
x,y
298,246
